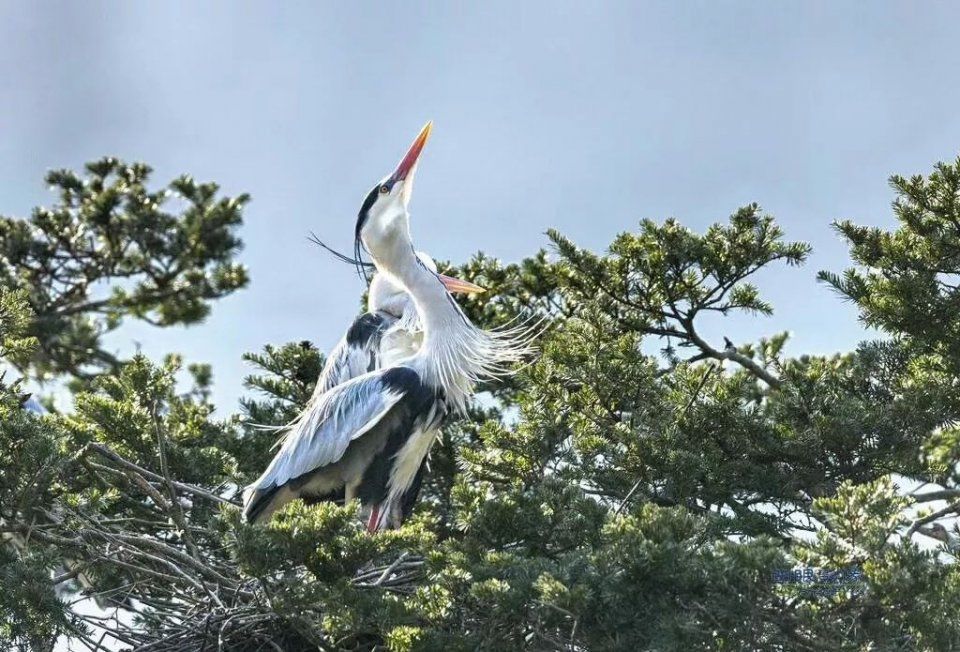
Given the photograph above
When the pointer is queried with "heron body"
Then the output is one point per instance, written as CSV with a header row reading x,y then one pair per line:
x,y
369,436
388,332
348,440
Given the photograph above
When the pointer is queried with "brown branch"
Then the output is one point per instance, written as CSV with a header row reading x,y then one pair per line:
x,y
176,510
735,356
104,451
918,523
943,494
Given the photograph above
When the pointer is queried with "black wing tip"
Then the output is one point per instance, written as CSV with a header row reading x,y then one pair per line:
x,y
364,328
254,508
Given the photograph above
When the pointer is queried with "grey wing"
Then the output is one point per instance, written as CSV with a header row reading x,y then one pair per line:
x,y
343,363
357,352
321,434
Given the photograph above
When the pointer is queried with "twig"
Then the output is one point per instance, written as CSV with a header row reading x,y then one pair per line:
x,y
182,486
176,510
952,507
390,569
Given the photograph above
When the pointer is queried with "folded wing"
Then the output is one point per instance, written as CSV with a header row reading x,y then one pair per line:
x,y
322,434
357,352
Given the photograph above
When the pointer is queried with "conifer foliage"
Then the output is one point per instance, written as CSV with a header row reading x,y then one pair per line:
x,y
639,485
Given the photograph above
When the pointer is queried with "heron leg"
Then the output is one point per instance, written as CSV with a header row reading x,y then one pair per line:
x,y
374,521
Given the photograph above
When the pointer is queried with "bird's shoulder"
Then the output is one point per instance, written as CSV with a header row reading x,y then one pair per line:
x,y
368,326
401,378
357,351
385,386
407,382
389,387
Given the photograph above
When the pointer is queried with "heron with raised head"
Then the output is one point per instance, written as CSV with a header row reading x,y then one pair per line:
x,y
368,436
388,332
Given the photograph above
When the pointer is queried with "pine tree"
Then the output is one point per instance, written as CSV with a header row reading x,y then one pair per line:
x,y
637,486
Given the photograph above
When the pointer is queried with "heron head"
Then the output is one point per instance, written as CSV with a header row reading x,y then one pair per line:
x,y
383,217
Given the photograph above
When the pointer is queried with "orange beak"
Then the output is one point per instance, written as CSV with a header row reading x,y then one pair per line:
x,y
409,161
457,285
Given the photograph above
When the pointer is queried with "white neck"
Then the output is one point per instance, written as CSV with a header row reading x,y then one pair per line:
x,y
438,312
390,245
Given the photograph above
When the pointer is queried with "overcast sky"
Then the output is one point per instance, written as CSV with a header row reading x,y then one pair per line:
x,y
583,117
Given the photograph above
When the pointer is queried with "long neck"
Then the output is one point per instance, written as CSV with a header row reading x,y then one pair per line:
x,y
455,354
446,358
440,316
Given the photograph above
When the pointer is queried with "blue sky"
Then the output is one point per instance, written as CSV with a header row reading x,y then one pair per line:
x,y
585,117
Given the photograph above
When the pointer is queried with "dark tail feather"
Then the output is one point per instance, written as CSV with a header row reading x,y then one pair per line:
x,y
256,502
409,499
336,496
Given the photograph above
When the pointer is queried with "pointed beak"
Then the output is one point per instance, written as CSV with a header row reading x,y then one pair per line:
x,y
457,285
409,161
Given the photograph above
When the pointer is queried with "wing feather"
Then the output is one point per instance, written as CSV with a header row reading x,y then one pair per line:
x,y
357,352
321,434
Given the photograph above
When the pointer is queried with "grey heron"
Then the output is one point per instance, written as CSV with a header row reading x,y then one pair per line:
x,y
389,331
368,436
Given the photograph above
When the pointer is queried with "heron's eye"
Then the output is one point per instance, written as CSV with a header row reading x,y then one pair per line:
x,y
384,189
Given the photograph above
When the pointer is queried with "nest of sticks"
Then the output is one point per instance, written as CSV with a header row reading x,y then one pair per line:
x,y
170,589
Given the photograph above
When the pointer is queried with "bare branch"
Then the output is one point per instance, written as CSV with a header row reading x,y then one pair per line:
x,y
100,449
929,518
